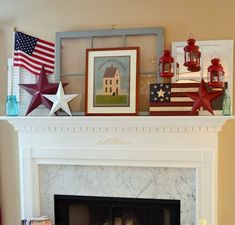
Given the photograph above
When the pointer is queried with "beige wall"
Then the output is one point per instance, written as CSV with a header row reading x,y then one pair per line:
x,y
206,19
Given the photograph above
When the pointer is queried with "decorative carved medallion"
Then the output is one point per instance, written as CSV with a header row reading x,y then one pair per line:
x,y
113,141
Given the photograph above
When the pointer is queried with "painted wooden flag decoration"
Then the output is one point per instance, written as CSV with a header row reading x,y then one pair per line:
x,y
179,104
33,53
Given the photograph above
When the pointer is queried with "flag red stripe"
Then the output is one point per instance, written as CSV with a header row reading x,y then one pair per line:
x,y
173,113
39,67
44,59
45,48
46,42
31,59
184,85
173,104
25,67
29,69
180,94
44,53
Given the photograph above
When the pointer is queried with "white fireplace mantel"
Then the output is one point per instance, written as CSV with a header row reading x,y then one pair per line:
x,y
127,124
177,142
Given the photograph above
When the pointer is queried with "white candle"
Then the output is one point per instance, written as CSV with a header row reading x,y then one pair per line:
x,y
129,222
202,222
117,221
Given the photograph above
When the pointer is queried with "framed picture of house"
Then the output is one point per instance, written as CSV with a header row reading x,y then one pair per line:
x,y
112,81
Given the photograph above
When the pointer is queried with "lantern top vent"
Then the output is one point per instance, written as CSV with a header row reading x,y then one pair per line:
x,y
191,41
215,61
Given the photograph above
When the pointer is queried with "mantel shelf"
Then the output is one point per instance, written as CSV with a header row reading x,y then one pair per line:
x,y
119,124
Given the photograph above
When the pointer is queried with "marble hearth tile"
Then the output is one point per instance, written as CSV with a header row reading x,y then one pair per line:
x,y
137,182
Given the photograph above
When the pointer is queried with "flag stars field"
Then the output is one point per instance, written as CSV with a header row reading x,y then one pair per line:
x,y
32,53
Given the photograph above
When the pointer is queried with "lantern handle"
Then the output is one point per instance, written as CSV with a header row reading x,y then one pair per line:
x,y
168,46
190,35
215,55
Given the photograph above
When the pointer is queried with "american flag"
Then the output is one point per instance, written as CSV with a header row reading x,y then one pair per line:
x,y
179,104
32,53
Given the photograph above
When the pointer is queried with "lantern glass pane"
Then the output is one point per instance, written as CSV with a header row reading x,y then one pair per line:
x,y
172,67
195,57
188,57
221,76
160,68
215,76
167,67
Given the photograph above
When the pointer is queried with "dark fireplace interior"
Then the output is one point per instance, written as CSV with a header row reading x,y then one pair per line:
x,y
84,210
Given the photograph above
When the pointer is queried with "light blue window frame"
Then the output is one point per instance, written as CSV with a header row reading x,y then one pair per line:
x,y
158,31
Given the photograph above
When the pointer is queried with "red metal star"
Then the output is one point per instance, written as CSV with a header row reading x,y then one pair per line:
x,y
38,90
203,98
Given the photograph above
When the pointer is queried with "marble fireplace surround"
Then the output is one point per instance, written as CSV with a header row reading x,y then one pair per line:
x,y
136,142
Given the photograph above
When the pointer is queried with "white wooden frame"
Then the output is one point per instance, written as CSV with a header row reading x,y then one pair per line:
x,y
220,48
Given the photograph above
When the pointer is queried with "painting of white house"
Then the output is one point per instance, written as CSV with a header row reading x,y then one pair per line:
x,y
112,81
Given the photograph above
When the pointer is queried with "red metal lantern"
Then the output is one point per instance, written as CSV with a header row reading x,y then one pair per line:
x,y
166,64
215,74
192,56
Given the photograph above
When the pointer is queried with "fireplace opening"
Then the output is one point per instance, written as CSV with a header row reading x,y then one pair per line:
x,y
87,210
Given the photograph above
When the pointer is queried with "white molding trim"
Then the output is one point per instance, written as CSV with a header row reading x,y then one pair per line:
x,y
33,157
119,124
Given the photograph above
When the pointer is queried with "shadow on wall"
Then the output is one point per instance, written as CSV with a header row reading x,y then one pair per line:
x,y
6,46
9,175
226,178
3,73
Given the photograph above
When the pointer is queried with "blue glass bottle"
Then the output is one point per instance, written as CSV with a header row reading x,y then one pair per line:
x,y
12,107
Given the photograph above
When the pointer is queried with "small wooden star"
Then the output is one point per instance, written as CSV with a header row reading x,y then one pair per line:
x,y
60,100
203,98
161,93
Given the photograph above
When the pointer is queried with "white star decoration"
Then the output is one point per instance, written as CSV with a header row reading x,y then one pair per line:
x,y
60,100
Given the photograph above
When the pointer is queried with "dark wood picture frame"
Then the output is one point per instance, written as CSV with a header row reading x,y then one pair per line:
x,y
112,77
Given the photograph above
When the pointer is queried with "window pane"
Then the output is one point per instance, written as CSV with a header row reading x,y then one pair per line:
x,y
144,85
148,51
108,42
73,55
76,86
